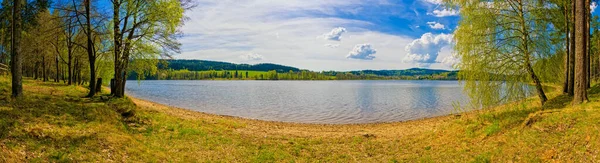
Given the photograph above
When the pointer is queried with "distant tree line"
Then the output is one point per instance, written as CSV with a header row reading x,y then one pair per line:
x,y
171,74
203,65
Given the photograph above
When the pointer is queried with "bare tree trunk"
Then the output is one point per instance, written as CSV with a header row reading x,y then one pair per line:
x,y
16,58
57,79
90,50
572,52
44,77
117,49
587,44
35,70
70,65
580,53
567,57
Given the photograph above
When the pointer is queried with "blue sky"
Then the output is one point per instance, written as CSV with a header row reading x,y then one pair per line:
x,y
322,34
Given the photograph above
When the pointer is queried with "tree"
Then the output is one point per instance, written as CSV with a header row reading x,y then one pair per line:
x,y
147,24
90,46
580,52
498,42
566,7
16,59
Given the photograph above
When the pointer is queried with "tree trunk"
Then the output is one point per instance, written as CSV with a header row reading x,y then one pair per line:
x,y
44,77
538,84
70,65
57,79
99,85
117,49
35,70
587,44
566,66
90,50
572,52
16,57
580,53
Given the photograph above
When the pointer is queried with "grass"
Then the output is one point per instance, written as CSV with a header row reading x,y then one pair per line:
x,y
53,123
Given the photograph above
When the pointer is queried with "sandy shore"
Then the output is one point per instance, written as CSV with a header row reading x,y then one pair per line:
x,y
380,130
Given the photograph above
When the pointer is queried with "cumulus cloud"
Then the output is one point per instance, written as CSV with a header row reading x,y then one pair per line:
x,y
363,52
593,6
435,25
424,51
252,57
450,61
332,45
335,34
444,12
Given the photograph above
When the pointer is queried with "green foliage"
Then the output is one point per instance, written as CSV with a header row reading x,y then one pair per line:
x,y
498,43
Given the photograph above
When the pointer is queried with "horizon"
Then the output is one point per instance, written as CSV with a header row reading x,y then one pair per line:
x,y
319,70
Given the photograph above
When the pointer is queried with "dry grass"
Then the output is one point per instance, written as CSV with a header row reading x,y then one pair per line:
x,y
53,123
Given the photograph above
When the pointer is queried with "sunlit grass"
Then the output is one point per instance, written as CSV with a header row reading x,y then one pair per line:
x,y
54,123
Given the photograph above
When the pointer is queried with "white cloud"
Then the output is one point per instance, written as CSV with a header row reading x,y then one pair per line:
x,y
252,57
437,2
593,6
224,30
435,25
424,51
363,52
444,12
450,61
335,34
332,45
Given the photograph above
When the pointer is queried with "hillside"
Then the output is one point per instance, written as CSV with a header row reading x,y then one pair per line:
x,y
53,123
192,67
203,65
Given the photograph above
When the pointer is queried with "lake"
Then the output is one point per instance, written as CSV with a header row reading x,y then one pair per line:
x,y
322,102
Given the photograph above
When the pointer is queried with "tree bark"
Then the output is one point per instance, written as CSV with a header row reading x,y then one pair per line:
x,y
567,57
117,48
44,77
587,44
57,79
90,50
580,53
35,70
572,52
16,57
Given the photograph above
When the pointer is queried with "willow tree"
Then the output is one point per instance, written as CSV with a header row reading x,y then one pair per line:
x,y
143,26
498,43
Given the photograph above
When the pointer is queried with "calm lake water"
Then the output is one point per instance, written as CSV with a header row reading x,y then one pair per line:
x,y
330,102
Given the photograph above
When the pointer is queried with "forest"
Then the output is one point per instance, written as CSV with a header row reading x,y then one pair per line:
x,y
87,42
213,70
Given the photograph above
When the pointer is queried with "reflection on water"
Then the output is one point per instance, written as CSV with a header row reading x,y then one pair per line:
x,y
338,102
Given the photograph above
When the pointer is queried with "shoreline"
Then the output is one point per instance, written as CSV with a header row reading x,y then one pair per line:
x,y
299,123
252,126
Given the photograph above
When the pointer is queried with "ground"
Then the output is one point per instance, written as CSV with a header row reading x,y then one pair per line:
x,y
55,123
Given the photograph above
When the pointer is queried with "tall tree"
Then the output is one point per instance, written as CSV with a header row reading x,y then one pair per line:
x,y
571,90
566,6
580,52
16,59
148,26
